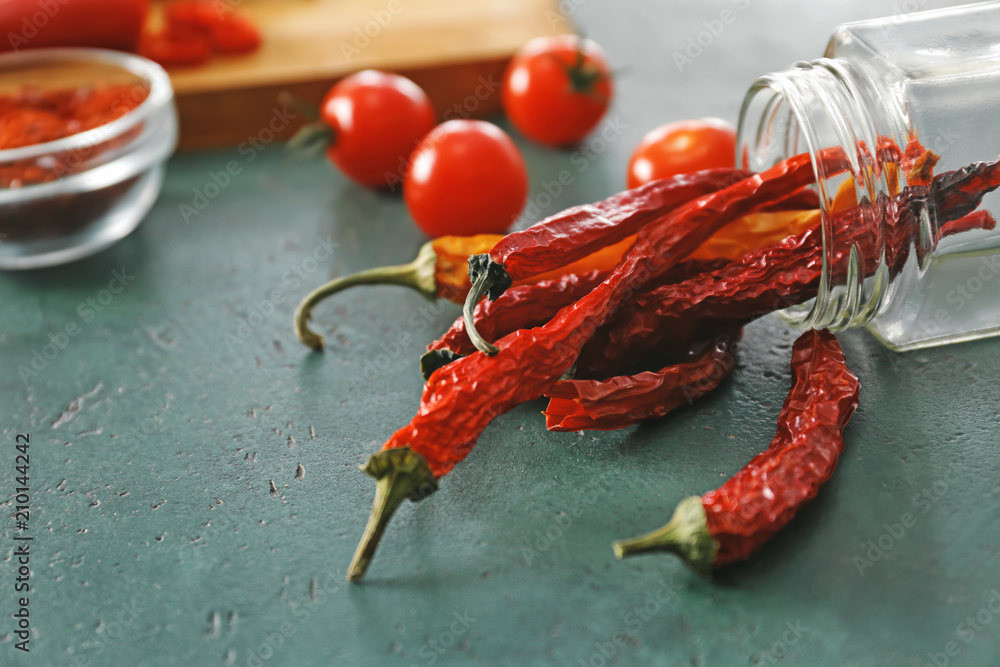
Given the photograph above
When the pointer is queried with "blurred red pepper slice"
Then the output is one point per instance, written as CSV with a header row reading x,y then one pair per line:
x,y
233,35
175,50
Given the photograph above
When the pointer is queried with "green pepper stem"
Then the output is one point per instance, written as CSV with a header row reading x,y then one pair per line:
x,y
418,274
399,474
686,535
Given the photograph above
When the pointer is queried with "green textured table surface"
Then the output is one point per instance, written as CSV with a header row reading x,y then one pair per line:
x,y
156,430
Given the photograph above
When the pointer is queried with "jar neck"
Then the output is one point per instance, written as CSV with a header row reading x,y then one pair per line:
x,y
821,104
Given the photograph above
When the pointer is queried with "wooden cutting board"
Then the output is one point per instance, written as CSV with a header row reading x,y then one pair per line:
x,y
455,50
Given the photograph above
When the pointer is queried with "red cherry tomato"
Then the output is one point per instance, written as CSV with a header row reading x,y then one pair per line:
x,y
556,89
466,177
678,148
377,120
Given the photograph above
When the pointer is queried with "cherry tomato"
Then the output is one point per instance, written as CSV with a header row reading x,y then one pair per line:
x,y
556,89
678,148
377,120
467,177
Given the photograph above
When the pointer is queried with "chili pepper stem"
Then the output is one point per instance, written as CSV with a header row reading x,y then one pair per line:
x,y
399,474
418,274
686,535
488,279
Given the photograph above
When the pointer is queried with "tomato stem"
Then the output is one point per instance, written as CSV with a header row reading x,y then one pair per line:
x,y
418,275
686,535
583,78
312,136
399,474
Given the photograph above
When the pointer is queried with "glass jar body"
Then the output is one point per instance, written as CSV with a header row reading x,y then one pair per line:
x,y
931,76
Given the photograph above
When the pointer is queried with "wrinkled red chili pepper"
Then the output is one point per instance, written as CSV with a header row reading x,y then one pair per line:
x,y
785,274
620,401
462,398
492,274
579,231
521,307
526,306
732,522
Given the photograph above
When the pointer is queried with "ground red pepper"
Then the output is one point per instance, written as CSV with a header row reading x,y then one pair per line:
x,y
732,522
36,115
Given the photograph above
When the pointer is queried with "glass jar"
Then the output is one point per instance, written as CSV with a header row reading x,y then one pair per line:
x,y
931,75
74,196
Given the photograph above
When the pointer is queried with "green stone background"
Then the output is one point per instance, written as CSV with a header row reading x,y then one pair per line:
x,y
154,436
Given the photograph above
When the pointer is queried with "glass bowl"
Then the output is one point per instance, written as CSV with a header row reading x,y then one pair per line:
x,y
72,197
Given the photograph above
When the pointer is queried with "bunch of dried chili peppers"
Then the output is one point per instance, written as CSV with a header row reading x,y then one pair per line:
x,y
620,311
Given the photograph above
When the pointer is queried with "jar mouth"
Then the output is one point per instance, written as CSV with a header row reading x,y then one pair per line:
x,y
809,107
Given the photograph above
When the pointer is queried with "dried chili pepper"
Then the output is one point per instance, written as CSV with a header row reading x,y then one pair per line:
x,y
494,319
462,398
440,271
621,401
732,522
788,273
579,231
547,243
437,272
521,307
533,304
